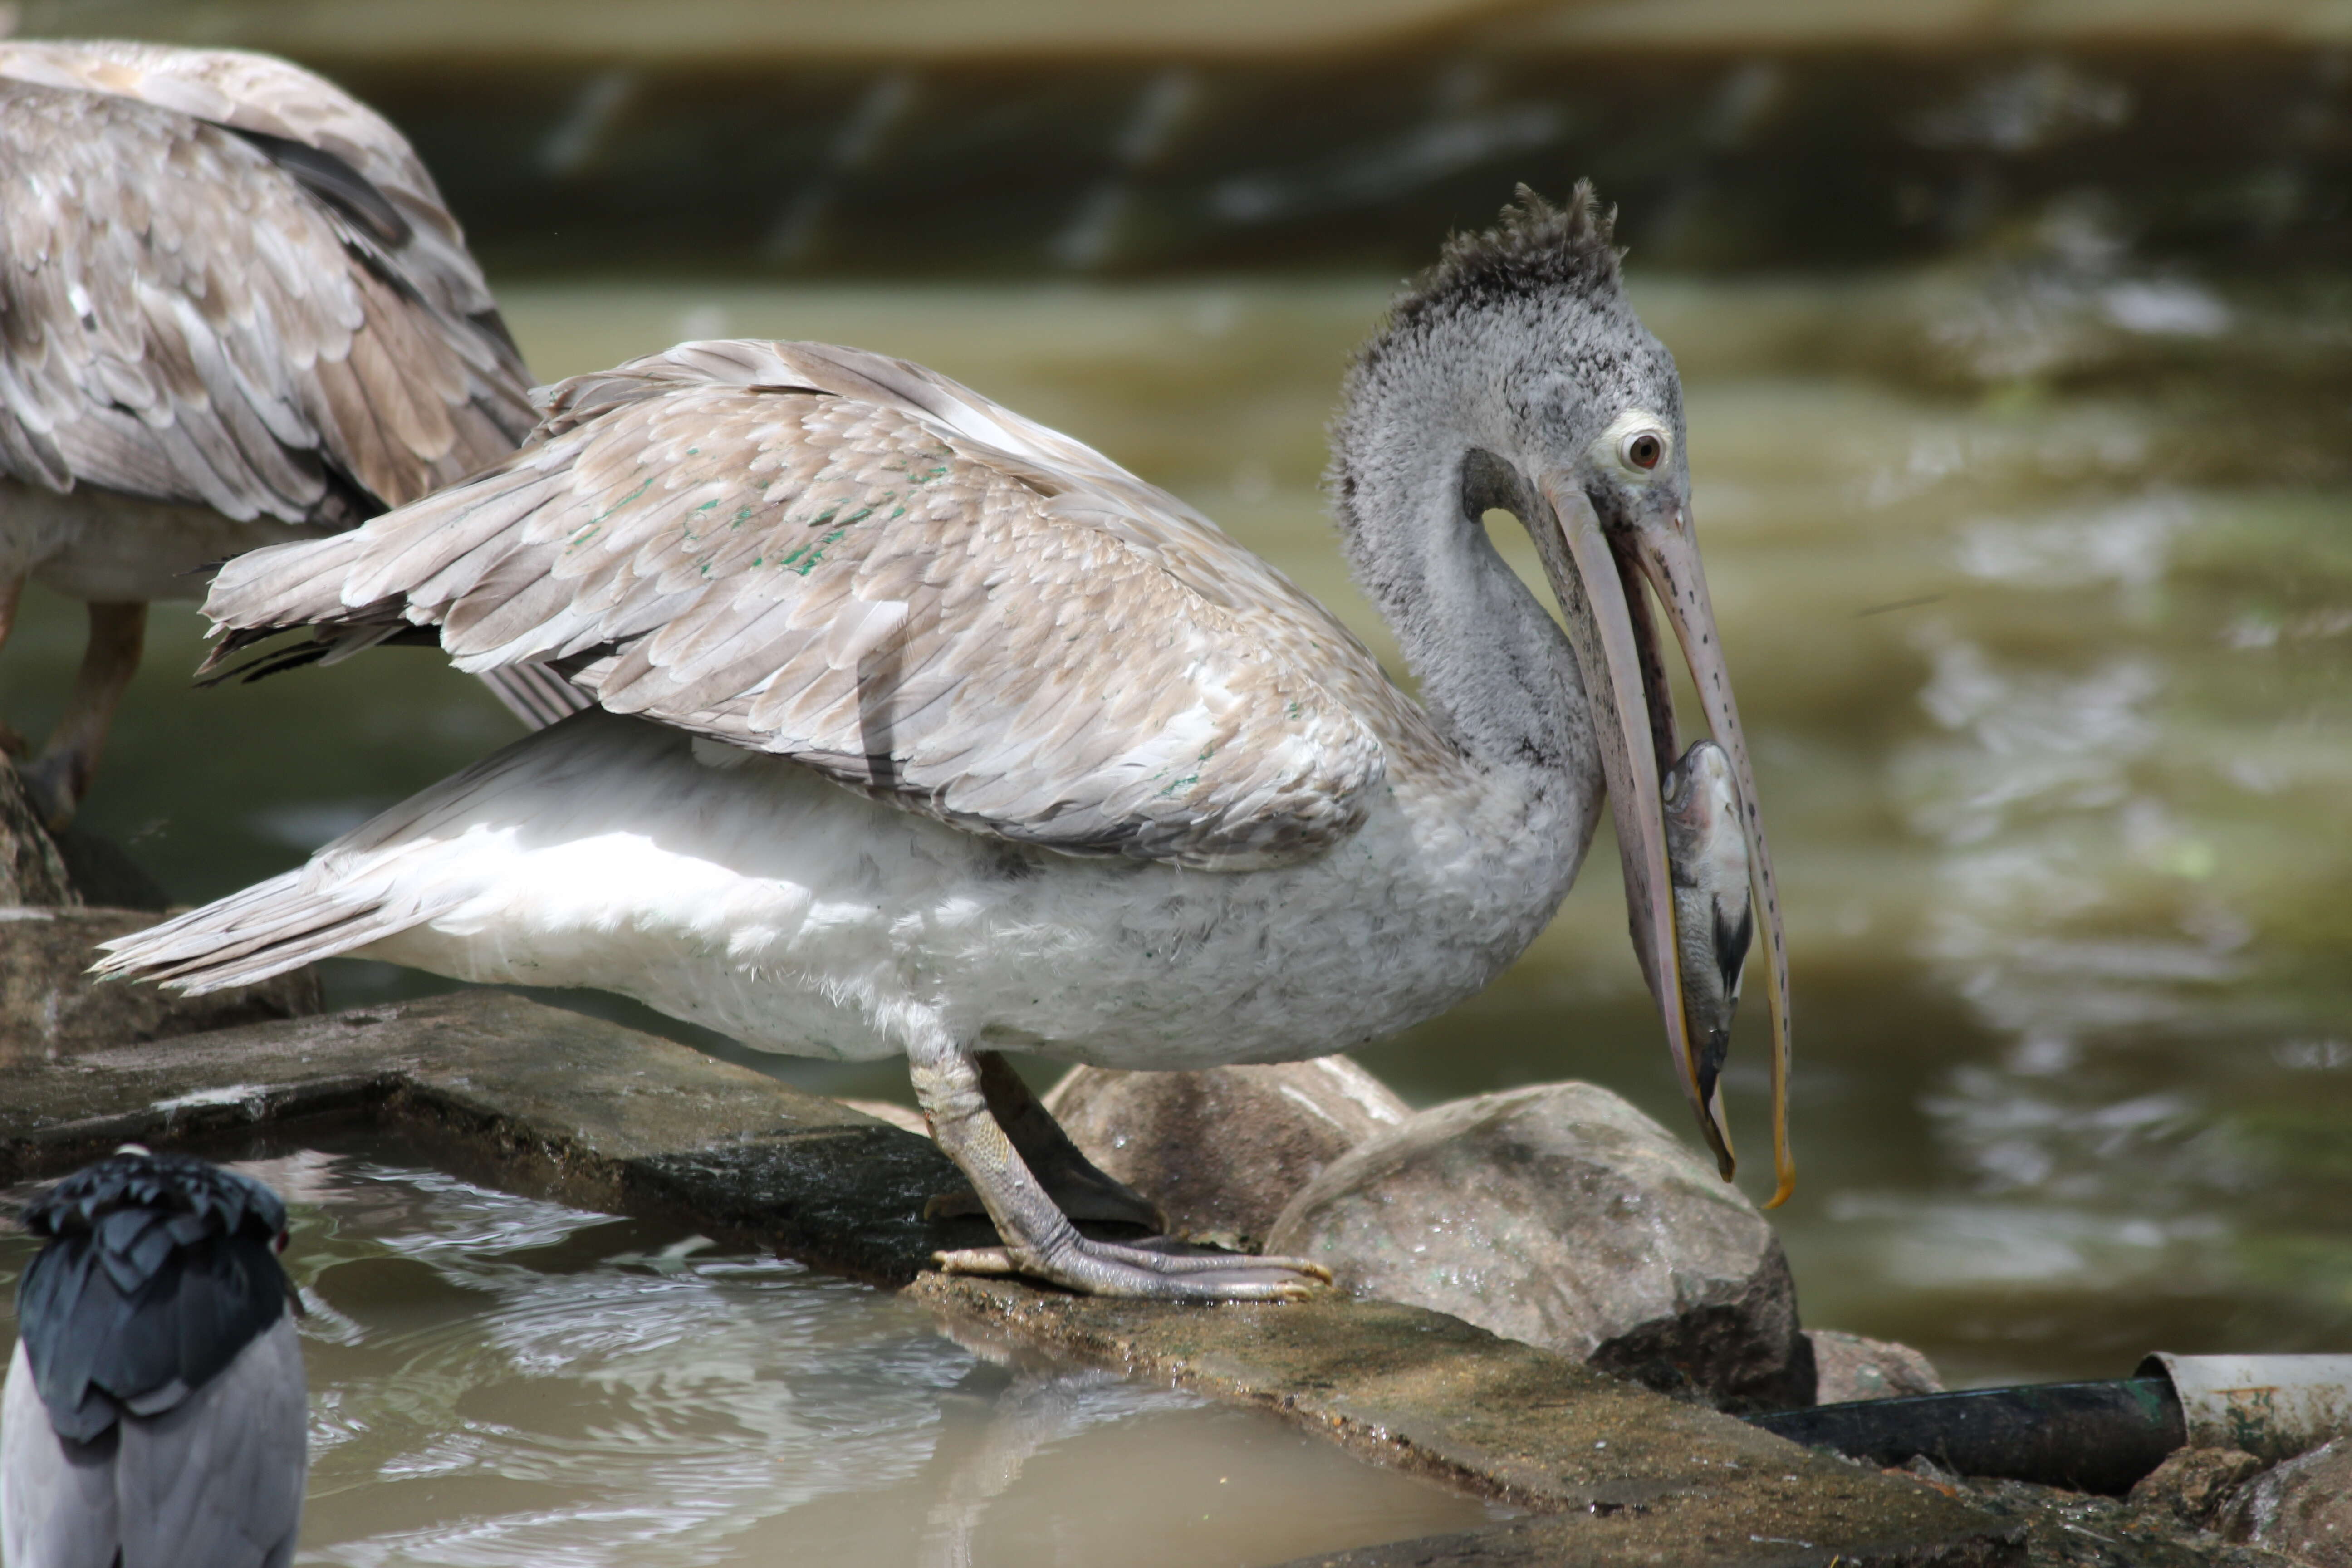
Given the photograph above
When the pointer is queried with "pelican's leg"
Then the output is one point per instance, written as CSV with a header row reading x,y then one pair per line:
x,y
60,775
1079,1188
1039,1239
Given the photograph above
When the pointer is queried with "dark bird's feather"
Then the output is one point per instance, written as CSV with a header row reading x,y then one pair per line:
x,y
160,1268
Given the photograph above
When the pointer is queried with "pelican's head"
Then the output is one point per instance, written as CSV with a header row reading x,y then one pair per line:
x,y
1570,415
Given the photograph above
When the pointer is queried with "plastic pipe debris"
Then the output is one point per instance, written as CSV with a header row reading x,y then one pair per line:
x,y
2096,1437
2273,1407
2092,1437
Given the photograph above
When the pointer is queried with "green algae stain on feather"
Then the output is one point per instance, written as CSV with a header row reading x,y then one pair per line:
x,y
863,512
815,553
646,485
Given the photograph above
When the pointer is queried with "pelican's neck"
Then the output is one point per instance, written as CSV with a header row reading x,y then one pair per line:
x,y
1495,672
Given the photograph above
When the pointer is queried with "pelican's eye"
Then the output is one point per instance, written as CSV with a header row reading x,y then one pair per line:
x,y
1642,450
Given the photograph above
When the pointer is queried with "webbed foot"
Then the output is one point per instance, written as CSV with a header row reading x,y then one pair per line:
x,y
969,1101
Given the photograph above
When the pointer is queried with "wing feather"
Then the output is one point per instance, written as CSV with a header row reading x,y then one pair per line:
x,y
185,320
792,549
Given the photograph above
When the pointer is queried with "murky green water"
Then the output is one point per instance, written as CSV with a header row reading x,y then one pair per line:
x,y
500,1383
2036,581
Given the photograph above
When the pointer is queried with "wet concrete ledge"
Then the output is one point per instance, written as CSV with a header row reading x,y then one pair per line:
x,y
532,1098
1618,1475
548,1101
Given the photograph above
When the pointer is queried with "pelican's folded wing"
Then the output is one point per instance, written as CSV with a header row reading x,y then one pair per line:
x,y
228,318
767,546
275,101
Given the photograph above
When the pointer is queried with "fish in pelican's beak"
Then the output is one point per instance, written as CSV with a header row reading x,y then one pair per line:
x,y
1707,857
1618,529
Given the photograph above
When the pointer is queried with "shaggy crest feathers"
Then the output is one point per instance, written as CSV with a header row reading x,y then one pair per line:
x,y
1534,248
192,1197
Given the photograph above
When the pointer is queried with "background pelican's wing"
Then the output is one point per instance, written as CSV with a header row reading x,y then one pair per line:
x,y
232,317
275,101
777,546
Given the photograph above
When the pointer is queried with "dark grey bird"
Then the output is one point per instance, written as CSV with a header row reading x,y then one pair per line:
x,y
234,311
926,731
155,1414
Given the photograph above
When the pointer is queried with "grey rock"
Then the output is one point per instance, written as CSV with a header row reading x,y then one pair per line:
x,y
1853,1366
2302,1508
1560,1216
49,1009
2193,1485
1223,1151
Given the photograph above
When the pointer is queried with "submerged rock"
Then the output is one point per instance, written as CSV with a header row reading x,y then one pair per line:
x,y
2302,1508
1223,1151
1847,1367
2193,1485
50,1008
1561,1215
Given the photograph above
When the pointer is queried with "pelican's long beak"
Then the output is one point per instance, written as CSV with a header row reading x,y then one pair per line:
x,y
1611,629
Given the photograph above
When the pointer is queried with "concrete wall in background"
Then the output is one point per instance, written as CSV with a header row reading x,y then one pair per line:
x,y
914,137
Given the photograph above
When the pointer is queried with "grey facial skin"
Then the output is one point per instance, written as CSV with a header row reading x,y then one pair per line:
x,y
1706,859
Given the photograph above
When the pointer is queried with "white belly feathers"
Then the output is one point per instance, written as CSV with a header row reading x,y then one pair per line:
x,y
747,894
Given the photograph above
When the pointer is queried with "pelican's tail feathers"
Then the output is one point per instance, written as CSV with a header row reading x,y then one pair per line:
x,y
536,694
267,930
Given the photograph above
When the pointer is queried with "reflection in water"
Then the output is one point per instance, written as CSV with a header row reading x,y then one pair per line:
x,y
497,1381
992,1424
2033,578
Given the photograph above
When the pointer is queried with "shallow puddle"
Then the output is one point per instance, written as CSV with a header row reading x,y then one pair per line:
x,y
495,1380
2036,584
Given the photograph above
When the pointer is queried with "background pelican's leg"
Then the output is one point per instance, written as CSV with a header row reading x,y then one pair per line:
x,y
58,778
1078,1186
1039,1239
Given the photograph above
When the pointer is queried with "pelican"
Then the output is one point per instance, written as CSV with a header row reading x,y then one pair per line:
x,y
923,730
155,1414
234,311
